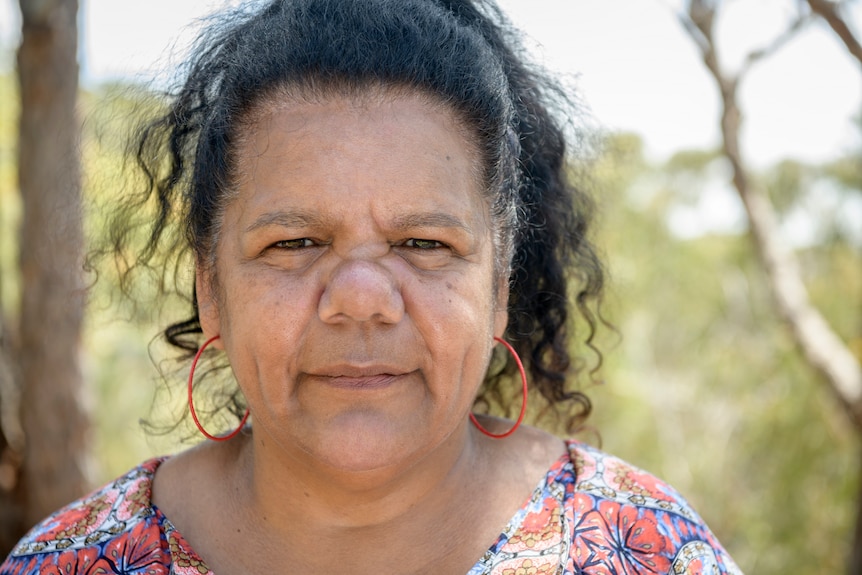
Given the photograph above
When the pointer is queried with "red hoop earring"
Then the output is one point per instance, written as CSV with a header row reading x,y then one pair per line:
x,y
523,404
192,403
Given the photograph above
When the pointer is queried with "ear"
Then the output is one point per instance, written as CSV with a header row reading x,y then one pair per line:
x,y
208,309
501,307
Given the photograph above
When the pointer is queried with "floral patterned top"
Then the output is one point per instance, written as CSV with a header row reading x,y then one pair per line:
x,y
591,514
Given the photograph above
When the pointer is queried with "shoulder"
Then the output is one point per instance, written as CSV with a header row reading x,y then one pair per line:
x,y
609,478
623,516
115,525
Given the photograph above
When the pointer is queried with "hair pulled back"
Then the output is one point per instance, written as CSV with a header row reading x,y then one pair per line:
x,y
461,53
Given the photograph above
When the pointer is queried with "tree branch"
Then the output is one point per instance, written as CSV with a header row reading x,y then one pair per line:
x,y
776,44
829,12
821,347
698,23
694,32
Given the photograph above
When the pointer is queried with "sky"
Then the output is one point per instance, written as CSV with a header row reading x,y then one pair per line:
x,y
629,61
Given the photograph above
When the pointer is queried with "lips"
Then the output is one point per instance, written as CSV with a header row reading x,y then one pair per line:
x,y
368,382
359,377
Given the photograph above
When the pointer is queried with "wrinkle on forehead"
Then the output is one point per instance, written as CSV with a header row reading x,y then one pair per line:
x,y
357,97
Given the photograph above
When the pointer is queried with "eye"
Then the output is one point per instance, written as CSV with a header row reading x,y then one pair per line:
x,y
293,244
421,244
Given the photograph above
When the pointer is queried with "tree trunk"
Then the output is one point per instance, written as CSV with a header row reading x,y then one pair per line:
x,y
50,257
11,443
854,567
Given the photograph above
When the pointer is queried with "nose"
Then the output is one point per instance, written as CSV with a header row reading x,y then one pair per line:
x,y
361,291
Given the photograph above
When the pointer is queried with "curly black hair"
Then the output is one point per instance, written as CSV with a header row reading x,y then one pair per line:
x,y
465,54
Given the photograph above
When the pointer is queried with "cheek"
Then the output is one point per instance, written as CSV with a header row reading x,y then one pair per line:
x,y
263,315
452,306
269,315
455,319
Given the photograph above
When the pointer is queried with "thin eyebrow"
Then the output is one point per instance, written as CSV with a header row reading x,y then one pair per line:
x,y
281,218
302,219
429,220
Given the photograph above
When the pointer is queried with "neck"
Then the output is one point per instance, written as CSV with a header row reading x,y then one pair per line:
x,y
281,487
437,514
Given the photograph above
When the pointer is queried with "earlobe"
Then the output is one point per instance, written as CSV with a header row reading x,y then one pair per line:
x,y
501,321
207,307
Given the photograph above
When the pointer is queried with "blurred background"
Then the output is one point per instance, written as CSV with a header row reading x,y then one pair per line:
x,y
723,143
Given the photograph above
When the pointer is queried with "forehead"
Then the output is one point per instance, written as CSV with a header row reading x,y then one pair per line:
x,y
384,106
385,147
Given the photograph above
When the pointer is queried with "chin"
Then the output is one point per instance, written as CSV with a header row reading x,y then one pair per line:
x,y
361,443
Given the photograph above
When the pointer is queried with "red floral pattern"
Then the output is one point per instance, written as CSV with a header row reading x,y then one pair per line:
x,y
592,514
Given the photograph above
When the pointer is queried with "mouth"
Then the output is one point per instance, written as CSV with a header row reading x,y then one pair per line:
x,y
360,378
378,381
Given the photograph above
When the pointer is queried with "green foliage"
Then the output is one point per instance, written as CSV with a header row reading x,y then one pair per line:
x,y
691,161
10,204
706,388
846,171
787,184
123,324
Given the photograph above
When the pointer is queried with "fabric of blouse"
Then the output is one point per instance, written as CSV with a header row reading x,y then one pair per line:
x,y
591,514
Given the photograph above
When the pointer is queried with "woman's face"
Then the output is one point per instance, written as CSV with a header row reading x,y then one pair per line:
x,y
354,285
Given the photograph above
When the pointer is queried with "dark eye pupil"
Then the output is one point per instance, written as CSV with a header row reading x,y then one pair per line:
x,y
424,243
292,243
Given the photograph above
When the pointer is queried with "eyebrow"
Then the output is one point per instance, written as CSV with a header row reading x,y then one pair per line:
x,y
281,218
430,220
302,219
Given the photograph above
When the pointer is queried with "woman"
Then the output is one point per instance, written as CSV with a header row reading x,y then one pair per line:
x,y
374,192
